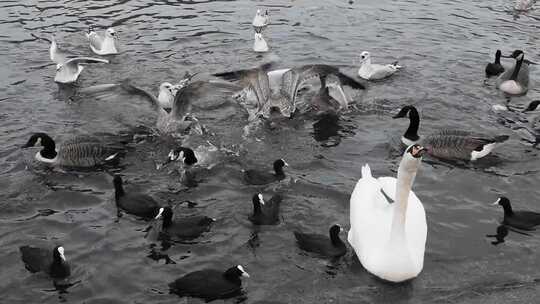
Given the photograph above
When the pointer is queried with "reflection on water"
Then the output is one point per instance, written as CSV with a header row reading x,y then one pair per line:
x,y
443,47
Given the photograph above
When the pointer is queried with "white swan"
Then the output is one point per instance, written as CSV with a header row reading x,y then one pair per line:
x,y
260,45
371,71
388,237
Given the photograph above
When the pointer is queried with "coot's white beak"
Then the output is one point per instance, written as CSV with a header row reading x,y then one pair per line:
x,y
496,202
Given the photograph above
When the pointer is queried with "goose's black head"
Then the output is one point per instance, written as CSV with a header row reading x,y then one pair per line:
x,y
532,106
187,155
235,273
49,147
416,150
515,54
404,111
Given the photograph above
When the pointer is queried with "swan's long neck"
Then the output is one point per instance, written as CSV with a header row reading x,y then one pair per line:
x,y
405,179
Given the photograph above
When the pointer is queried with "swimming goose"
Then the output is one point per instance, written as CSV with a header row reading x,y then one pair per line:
x,y
138,204
388,222
260,45
448,144
495,68
371,71
185,228
265,212
210,284
177,117
515,81
260,21
329,246
262,100
53,262
525,220
68,67
79,151
103,43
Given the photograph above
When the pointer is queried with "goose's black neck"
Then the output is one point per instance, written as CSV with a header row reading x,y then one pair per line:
x,y
118,189
256,207
515,73
334,237
278,168
414,124
49,147
498,58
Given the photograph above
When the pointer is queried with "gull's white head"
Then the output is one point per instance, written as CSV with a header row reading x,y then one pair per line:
x,y
365,57
166,95
110,32
259,37
258,12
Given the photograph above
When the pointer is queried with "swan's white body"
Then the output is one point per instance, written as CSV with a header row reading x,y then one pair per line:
x,y
260,45
389,238
103,43
371,71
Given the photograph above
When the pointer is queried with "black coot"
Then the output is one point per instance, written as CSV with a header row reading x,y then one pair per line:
x,y
525,220
321,244
210,284
138,204
53,262
257,177
265,213
183,228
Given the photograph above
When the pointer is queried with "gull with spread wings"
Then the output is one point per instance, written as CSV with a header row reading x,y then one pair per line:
x,y
260,98
173,118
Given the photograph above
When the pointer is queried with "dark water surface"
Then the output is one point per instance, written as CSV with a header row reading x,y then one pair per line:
x,y
443,45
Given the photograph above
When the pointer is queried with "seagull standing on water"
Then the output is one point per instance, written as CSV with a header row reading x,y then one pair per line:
x,y
103,43
371,71
260,21
68,67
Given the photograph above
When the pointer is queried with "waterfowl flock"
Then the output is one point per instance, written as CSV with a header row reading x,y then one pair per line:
x,y
388,227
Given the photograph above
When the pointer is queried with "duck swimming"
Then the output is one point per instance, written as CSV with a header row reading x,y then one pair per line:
x,y
371,71
448,143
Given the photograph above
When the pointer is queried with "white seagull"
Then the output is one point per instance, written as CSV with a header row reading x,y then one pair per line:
x,y
103,43
260,21
260,45
68,68
371,71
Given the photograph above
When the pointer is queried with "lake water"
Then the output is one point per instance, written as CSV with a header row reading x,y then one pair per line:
x,y
443,45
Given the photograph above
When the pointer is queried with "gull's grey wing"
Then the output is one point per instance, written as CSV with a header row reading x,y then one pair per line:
x,y
96,41
241,74
197,90
322,70
124,92
77,60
